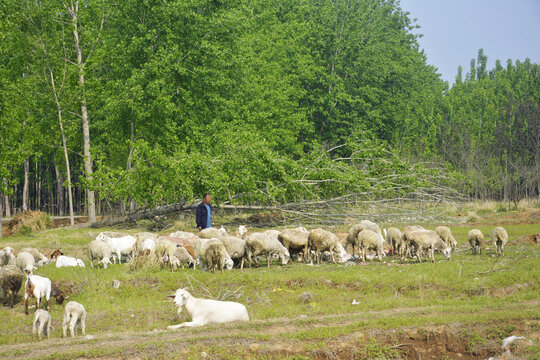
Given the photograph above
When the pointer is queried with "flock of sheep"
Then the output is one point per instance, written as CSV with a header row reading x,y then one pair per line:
x,y
214,249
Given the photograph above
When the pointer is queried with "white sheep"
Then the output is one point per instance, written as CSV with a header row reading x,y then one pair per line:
x,y
148,247
38,287
499,236
101,251
294,240
407,230
26,262
242,232
74,314
394,238
428,240
39,258
212,233
67,261
370,240
352,236
182,234
446,234
183,256
141,238
119,245
214,255
6,255
42,324
11,278
206,311
236,248
320,240
476,239
265,244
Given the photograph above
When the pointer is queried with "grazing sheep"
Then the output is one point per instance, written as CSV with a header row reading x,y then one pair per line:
x,y
445,234
11,278
39,258
476,239
148,247
499,236
407,230
67,261
42,324
26,262
206,311
163,246
236,247
182,235
321,240
242,232
370,240
101,251
295,241
183,256
352,236
38,287
212,233
74,314
119,245
265,244
428,240
5,255
142,238
394,238
213,255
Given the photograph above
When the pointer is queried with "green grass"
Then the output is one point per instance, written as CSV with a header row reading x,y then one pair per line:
x,y
474,289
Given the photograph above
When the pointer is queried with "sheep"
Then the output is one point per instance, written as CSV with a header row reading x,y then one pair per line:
x,y
212,233
38,287
11,278
499,236
148,247
236,248
321,240
407,230
163,246
369,240
352,236
74,314
242,232
294,240
445,234
142,238
428,240
67,261
26,262
42,324
183,256
394,238
119,245
5,255
213,254
101,251
476,239
39,258
206,311
182,234
265,244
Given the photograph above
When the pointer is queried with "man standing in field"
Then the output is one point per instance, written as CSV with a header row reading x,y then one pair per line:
x,y
204,213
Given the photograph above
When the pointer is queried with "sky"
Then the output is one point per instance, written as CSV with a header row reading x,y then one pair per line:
x,y
454,30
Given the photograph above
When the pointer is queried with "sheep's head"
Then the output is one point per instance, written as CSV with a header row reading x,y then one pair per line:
x,y
284,256
8,250
229,264
180,298
105,261
29,270
342,255
102,237
447,251
241,232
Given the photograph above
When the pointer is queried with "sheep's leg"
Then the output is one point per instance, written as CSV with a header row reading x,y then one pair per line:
x,y
268,256
249,258
83,323
242,263
432,254
37,303
34,327
72,326
49,329
65,325
40,330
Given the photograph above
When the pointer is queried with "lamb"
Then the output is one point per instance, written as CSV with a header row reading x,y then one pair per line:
x,y
499,236
67,261
11,278
265,244
74,314
370,240
212,233
394,238
5,255
206,311
119,245
42,324
26,262
236,248
445,234
101,251
39,258
321,240
294,240
428,240
476,239
213,255
242,232
352,236
38,287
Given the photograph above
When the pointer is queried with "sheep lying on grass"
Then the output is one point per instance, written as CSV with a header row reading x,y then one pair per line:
x,y
42,324
67,261
206,311
266,245
499,236
38,287
74,315
39,258
11,278
476,239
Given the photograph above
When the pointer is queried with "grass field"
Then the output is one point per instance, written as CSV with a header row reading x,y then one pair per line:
x,y
461,308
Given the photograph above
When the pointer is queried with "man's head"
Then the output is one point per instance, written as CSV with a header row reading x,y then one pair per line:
x,y
206,198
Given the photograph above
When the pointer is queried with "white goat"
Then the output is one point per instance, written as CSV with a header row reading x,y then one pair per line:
x,y
42,324
67,261
73,315
38,287
119,245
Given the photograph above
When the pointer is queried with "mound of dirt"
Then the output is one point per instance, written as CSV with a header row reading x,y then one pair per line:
x,y
28,222
265,217
527,240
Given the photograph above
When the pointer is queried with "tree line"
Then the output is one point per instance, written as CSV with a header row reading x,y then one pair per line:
x,y
113,106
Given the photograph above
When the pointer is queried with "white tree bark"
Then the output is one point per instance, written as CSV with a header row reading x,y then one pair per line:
x,y
26,185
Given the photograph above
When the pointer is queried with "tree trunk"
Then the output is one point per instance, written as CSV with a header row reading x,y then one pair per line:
x,y
74,13
26,185
59,190
1,213
132,203
5,198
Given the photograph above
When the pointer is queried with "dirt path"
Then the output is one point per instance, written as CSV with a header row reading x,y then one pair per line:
x,y
253,336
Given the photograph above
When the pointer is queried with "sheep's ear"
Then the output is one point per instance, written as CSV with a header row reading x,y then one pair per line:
x,y
171,296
